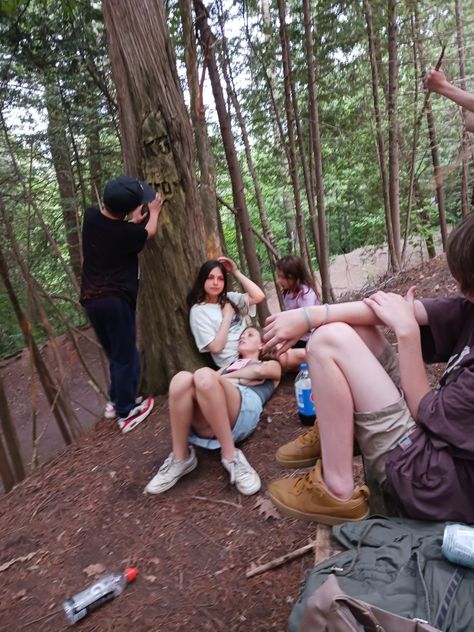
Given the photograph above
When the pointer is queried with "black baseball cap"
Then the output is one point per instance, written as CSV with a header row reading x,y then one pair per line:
x,y
124,194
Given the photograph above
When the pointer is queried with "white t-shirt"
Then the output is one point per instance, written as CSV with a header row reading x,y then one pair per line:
x,y
206,318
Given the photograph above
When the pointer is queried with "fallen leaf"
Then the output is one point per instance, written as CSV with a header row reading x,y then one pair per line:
x,y
266,508
93,569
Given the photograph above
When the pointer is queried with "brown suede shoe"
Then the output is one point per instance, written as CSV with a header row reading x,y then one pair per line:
x,y
308,498
303,451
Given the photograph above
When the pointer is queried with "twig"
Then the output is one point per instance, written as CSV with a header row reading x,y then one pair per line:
x,y
217,621
219,502
279,561
23,558
46,616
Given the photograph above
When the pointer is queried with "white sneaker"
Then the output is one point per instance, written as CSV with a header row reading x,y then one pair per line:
x,y
136,415
242,474
110,412
170,472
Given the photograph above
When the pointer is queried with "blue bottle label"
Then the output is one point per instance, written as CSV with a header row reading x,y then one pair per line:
x,y
305,401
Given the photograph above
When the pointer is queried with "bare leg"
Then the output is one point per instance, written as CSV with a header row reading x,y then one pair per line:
x,y
346,377
219,402
182,407
291,359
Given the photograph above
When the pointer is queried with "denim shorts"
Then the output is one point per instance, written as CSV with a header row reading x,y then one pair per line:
x,y
250,410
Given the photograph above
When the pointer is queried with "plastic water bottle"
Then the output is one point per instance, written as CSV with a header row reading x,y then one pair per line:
x,y
304,397
101,591
458,544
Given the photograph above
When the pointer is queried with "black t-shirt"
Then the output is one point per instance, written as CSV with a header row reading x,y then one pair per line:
x,y
110,249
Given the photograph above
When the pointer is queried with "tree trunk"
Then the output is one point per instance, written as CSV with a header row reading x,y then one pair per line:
x,y
393,140
379,133
209,41
323,254
465,137
52,392
440,197
226,70
300,227
62,166
207,167
158,146
12,444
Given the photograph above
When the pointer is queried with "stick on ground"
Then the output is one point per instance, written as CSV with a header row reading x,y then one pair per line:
x,y
279,561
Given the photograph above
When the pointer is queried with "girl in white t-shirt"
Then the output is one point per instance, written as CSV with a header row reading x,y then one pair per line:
x,y
217,317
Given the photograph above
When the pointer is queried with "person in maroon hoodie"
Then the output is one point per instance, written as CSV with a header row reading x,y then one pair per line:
x,y
418,442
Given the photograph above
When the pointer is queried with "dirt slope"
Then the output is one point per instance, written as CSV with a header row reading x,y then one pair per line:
x,y
192,545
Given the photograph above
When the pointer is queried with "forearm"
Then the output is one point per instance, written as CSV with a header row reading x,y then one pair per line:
x,y
270,370
256,294
222,334
152,225
413,379
459,96
352,313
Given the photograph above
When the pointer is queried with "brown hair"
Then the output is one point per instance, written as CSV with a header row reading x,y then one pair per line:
x,y
271,354
294,268
460,254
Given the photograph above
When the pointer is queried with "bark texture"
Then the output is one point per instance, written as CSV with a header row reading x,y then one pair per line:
x,y
157,145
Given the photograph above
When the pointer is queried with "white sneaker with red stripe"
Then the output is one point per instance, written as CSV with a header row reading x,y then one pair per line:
x,y
136,415
111,413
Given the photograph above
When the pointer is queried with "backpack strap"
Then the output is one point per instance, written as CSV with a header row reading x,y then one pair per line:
x,y
449,593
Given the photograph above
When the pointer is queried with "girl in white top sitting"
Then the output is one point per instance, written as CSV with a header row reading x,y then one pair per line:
x,y
217,409
218,317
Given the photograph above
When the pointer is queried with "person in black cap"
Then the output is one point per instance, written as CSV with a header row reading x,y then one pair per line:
x,y
112,237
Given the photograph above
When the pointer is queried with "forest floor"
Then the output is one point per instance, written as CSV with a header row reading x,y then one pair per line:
x,y
84,514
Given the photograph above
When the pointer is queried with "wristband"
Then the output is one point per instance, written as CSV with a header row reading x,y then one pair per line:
x,y
326,316
307,318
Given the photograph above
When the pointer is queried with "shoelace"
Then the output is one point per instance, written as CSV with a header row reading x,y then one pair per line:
x,y
309,437
167,464
307,483
238,470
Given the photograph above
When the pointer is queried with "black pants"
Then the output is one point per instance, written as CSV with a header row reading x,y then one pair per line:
x,y
114,323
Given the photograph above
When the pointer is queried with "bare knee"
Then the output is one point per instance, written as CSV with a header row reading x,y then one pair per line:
x,y
180,383
330,338
205,379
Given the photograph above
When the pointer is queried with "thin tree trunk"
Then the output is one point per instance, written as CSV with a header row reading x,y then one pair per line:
x,y
29,198
226,70
238,189
62,165
204,153
440,197
393,132
465,138
379,133
6,473
38,308
51,390
11,439
323,254
300,227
